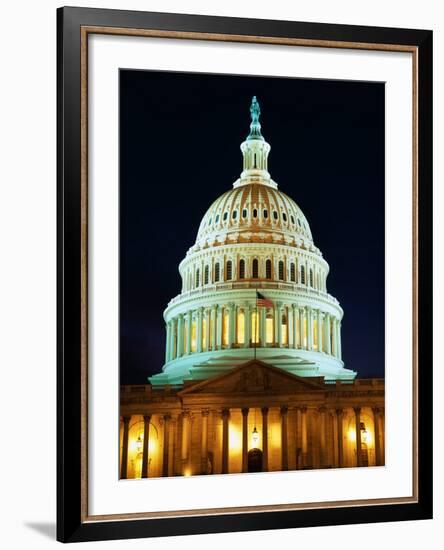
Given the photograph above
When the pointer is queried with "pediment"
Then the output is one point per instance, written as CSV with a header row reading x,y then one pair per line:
x,y
254,377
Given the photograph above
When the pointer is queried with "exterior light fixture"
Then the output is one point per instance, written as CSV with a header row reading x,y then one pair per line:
x,y
139,443
255,438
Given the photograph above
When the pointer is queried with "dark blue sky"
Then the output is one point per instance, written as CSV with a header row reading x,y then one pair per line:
x,y
179,150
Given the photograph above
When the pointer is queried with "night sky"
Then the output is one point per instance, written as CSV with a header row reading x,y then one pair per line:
x,y
179,150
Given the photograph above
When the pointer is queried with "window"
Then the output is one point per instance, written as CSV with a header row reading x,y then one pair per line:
x,y
311,277
242,269
196,282
225,216
269,327
244,213
265,214
229,270
217,218
284,216
268,269
303,274
299,222
292,272
234,214
225,327
241,327
209,221
255,268
255,213
292,219
193,336
206,274
275,215
284,330
281,270
216,272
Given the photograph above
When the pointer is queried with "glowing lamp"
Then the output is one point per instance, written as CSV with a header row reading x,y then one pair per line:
x,y
139,443
255,438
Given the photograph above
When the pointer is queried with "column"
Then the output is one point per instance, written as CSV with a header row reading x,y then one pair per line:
x,y
262,317
301,328
290,331
304,436
339,341
247,317
199,330
320,332
284,437
180,336
146,444
189,323
309,329
168,344
339,419
376,414
214,323
219,327
207,329
295,326
245,440
231,325
358,436
225,420
204,441
124,464
323,435
166,444
264,439
172,444
328,333
172,354
186,432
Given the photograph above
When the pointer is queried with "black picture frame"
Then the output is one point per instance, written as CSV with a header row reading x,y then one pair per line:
x,y
71,523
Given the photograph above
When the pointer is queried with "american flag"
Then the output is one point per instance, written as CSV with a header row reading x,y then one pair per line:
x,y
262,301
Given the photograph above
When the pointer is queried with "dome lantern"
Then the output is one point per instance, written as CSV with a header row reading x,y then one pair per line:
x,y
255,151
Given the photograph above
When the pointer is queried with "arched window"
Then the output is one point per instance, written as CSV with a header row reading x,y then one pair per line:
x,y
268,269
255,213
196,282
216,272
265,214
242,269
303,274
311,277
206,275
217,218
244,213
229,270
234,214
284,216
292,272
275,215
225,216
292,219
255,268
281,270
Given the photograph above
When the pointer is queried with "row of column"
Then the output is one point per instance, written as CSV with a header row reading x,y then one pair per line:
x,y
294,327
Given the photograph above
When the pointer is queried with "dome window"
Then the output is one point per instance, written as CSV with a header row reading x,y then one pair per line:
x,y
284,216
303,274
281,270
229,270
206,275
216,272
234,214
268,269
217,218
242,269
255,268
275,215
255,213
225,216
210,220
196,282
292,272
299,222
292,218
244,213
265,214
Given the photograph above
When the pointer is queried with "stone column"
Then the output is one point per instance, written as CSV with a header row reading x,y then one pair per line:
x,y
328,333
180,336
166,444
295,325
290,330
225,448
172,444
309,329
168,344
323,435
214,321
186,432
247,318
245,440
301,328
276,325
189,323
265,439
231,324
173,344
304,436
358,436
199,330
376,414
339,419
124,464
146,444
207,329
284,438
204,442
320,342
219,327
339,341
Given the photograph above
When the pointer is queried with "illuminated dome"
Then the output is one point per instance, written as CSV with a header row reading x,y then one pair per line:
x,y
253,238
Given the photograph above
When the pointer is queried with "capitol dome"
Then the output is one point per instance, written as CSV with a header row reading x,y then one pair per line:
x,y
253,242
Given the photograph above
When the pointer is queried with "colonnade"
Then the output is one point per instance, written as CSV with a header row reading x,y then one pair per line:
x,y
243,325
307,435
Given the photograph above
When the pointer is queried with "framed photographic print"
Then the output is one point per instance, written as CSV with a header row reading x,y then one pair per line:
x,y
244,274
